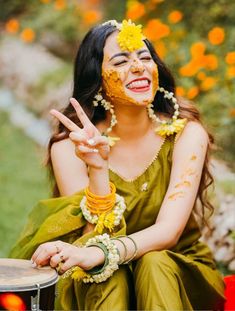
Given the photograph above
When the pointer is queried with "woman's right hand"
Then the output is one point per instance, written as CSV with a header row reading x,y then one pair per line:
x,y
90,145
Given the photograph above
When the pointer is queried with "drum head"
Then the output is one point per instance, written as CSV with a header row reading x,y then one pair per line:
x,y
18,275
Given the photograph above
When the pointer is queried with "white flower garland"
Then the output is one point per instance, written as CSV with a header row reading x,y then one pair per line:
x,y
113,259
118,211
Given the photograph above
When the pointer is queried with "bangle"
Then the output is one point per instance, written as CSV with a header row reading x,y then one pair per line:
x,y
108,219
113,257
100,268
125,250
135,248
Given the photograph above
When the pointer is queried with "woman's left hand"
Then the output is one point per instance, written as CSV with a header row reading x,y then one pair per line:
x,y
54,253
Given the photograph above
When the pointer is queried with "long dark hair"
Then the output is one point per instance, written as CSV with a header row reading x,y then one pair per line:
x,y
87,81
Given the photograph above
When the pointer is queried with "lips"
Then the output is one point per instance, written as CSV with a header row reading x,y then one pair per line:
x,y
139,85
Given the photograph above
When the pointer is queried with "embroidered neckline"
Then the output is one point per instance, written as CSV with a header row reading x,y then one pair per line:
x,y
131,180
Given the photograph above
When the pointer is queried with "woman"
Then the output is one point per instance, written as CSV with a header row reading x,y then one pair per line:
x,y
129,162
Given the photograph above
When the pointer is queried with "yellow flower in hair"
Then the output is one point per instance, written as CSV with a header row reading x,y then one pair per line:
x,y
174,127
130,37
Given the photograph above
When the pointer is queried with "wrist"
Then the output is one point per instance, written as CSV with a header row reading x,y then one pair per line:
x,y
96,256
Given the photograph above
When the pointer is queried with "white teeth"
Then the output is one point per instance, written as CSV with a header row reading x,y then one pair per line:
x,y
136,84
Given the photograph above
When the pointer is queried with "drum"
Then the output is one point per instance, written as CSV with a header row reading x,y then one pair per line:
x,y
26,287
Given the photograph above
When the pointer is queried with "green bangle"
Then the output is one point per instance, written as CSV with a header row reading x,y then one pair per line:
x,y
135,251
100,268
125,250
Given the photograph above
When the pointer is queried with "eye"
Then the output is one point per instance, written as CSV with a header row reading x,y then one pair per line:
x,y
120,62
146,57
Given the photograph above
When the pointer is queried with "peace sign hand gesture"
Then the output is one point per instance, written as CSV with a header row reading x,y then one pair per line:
x,y
90,145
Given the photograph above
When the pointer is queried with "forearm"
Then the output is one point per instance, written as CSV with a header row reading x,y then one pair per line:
x,y
99,180
154,238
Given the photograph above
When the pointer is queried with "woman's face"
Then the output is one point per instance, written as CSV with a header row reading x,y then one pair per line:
x,y
128,77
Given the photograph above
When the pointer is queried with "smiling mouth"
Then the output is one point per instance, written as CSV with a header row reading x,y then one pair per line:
x,y
139,85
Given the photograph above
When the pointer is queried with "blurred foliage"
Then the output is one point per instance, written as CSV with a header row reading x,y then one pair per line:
x,y
195,40
23,181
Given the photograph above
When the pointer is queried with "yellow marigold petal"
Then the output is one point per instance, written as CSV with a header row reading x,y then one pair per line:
x,y
78,274
216,35
130,37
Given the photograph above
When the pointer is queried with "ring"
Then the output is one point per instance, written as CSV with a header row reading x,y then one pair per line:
x,y
62,257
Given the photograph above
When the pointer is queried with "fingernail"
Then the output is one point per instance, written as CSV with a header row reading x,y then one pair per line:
x,y
34,265
91,141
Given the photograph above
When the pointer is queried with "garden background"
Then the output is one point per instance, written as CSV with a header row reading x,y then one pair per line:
x,y
38,42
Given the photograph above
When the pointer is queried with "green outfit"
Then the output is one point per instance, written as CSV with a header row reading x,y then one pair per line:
x,y
183,278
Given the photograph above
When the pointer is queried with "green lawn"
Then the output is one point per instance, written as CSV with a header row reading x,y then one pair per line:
x,y
23,181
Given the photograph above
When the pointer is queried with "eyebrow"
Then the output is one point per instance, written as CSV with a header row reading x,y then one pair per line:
x,y
127,54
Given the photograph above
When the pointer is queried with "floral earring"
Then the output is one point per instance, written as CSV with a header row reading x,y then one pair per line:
x,y
108,107
167,128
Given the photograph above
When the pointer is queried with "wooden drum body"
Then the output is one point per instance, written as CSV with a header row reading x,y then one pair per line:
x,y
35,287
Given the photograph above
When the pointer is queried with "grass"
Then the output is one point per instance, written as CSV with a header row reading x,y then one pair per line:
x,y
23,181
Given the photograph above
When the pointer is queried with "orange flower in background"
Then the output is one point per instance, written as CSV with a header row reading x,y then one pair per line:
x,y
12,25
201,75
45,1
155,29
230,58
208,83
193,92
180,91
135,11
211,62
231,72
91,17
60,5
161,49
197,48
216,35
175,17
189,69
232,112
27,35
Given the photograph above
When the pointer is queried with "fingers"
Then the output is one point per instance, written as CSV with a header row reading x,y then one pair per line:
x,y
96,141
80,112
64,120
43,253
83,149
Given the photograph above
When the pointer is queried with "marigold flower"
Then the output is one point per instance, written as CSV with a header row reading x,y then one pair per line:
x,y
201,75
135,11
216,35
27,35
208,83
231,71
60,4
180,91
91,17
189,69
175,17
156,30
197,48
230,58
193,92
45,1
130,37
161,49
12,25
232,112
211,62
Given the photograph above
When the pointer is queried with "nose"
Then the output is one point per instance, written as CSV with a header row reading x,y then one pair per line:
x,y
137,66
